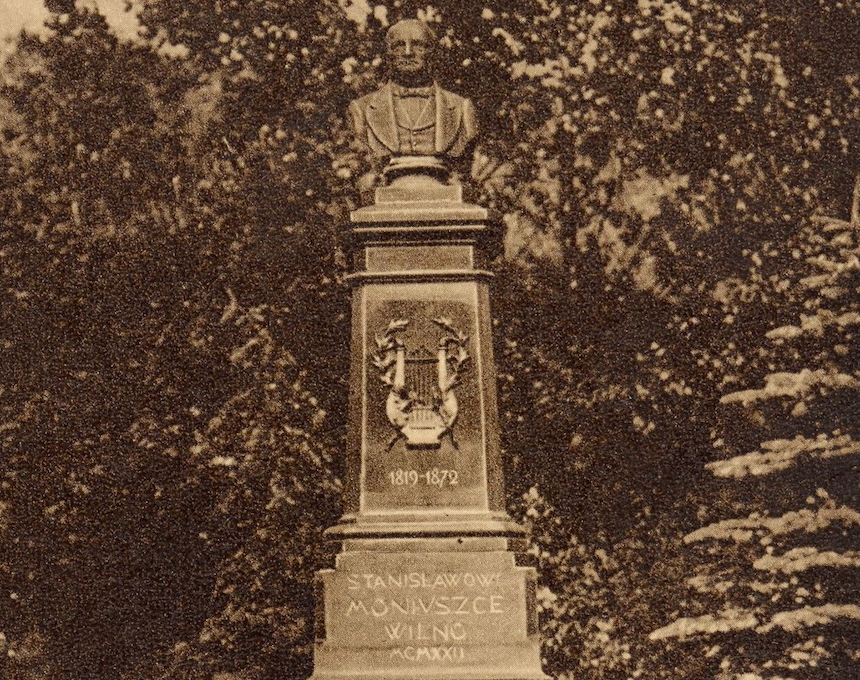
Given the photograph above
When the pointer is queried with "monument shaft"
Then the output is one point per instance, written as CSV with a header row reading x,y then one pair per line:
x,y
423,455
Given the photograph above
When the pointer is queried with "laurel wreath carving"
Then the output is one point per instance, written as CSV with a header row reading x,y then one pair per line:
x,y
387,344
385,357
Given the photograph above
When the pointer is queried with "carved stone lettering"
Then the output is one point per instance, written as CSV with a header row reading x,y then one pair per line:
x,y
417,579
443,632
418,654
425,615
435,605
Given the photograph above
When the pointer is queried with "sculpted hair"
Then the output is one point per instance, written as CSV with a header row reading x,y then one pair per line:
x,y
431,35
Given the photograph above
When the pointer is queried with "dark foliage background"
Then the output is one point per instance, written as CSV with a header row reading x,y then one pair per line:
x,y
676,313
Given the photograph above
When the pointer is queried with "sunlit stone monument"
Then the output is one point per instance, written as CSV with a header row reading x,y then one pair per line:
x,y
425,585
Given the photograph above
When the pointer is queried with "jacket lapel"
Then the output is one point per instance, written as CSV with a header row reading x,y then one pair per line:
x,y
380,117
448,119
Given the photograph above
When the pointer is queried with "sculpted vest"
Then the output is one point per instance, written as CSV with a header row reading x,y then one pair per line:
x,y
444,129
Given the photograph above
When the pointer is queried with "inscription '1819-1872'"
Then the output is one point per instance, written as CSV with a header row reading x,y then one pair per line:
x,y
425,617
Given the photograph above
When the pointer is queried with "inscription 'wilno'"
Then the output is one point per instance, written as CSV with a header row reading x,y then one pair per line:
x,y
421,632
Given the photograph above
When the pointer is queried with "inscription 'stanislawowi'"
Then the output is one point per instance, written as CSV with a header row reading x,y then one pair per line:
x,y
420,579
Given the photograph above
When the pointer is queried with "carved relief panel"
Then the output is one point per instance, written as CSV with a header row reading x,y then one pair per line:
x,y
424,439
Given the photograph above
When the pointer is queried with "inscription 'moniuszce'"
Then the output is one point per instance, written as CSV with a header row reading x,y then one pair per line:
x,y
436,605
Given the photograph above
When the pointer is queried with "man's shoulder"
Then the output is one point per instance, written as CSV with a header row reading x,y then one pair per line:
x,y
453,99
370,99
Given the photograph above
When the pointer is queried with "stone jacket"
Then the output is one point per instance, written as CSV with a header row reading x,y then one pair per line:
x,y
375,123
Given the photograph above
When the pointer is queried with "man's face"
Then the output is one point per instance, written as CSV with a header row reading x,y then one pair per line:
x,y
408,48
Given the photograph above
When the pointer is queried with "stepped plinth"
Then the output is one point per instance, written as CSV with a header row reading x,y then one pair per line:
x,y
426,585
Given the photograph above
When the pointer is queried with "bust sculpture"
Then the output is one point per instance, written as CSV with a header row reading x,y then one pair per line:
x,y
411,121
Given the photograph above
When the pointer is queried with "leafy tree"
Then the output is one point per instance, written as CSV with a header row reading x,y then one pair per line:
x,y
655,141
154,275
173,185
777,563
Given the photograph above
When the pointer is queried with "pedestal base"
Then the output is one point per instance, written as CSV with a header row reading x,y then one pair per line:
x,y
426,525
427,609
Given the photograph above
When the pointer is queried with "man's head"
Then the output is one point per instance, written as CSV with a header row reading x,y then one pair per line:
x,y
410,44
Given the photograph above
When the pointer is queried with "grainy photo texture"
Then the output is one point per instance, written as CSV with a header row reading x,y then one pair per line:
x,y
508,339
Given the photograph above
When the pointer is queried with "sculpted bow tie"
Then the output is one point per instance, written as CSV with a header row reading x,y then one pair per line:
x,y
404,92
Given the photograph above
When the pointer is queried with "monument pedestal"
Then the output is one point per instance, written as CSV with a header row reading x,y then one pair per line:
x,y
428,609
425,586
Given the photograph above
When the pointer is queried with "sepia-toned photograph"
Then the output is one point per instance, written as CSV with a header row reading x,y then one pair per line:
x,y
436,340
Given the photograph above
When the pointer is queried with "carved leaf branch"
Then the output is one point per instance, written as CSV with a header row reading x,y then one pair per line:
x,y
455,342
385,357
